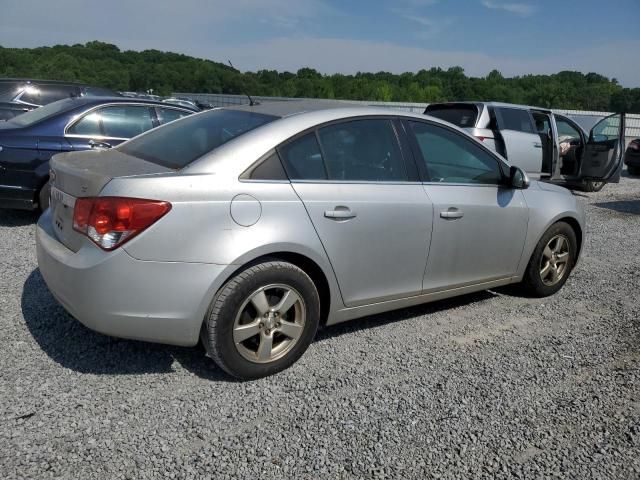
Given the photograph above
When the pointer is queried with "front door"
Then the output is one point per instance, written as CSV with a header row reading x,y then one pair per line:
x,y
480,223
370,212
603,153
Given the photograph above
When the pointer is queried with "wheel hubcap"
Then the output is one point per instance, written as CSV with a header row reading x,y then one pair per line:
x,y
555,258
269,323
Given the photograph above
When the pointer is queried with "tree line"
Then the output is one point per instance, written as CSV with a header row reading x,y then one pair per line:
x,y
105,65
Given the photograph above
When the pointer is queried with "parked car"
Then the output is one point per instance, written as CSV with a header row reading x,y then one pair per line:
x,y
249,226
632,157
530,137
20,95
28,141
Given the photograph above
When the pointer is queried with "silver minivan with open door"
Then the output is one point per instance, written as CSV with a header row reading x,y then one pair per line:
x,y
545,144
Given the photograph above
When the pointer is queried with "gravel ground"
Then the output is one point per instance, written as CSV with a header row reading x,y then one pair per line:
x,y
488,385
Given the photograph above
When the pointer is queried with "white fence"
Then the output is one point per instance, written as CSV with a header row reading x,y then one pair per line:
x,y
223,100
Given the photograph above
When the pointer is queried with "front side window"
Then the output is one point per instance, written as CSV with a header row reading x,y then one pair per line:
x,y
166,115
118,121
451,158
177,144
362,150
607,129
515,119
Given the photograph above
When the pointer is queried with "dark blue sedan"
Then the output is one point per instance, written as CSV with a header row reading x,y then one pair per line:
x,y
28,141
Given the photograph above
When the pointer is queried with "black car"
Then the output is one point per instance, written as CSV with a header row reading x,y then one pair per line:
x,y
632,157
28,141
20,95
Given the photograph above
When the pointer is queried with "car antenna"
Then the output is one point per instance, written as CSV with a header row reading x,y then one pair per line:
x,y
251,102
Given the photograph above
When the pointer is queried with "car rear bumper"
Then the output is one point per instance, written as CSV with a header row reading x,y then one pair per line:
x,y
115,294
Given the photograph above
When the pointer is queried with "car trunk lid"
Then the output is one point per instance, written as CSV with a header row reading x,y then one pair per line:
x,y
84,174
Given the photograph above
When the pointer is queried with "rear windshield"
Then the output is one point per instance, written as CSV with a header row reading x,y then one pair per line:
x,y
40,113
460,115
177,144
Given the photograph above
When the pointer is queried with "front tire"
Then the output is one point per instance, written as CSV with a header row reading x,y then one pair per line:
x,y
593,186
551,261
262,320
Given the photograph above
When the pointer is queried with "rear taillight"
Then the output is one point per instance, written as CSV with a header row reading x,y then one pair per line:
x,y
480,138
111,221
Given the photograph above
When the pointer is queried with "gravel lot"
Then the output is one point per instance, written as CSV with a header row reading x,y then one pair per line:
x,y
487,385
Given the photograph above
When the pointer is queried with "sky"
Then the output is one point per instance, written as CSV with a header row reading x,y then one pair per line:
x,y
514,36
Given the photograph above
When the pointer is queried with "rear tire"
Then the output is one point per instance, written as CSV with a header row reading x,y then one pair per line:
x,y
633,170
262,320
548,267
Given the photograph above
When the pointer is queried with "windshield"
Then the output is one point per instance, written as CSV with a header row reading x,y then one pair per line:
x,y
461,115
177,144
34,116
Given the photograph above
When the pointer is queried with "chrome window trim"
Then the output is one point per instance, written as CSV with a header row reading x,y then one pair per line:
x,y
101,137
357,182
76,118
456,184
18,98
257,180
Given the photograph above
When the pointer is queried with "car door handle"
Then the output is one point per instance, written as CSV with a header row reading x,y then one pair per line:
x,y
537,145
98,144
452,214
340,213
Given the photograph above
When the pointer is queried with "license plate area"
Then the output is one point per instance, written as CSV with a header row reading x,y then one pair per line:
x,y
62,204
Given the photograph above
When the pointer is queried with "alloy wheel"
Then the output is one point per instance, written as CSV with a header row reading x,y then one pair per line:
x,y
269,323
555,259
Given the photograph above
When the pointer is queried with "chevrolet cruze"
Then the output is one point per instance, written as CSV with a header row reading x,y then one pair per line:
x,y
249,227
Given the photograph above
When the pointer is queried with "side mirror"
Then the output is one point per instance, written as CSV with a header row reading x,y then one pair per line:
x,y
518,177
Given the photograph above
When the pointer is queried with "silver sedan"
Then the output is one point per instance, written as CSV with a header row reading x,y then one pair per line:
x,y
249,227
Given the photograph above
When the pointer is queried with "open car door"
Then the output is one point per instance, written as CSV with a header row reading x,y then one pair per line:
x,y
602,157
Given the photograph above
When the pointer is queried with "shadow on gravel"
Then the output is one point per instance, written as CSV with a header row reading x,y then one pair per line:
x,y
72,345
17,218
373,321
622,206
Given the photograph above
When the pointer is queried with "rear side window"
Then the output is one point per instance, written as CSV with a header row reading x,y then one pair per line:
x,y
87,125
362,150
451,158
303,159
515,119
177,144
166,115
464,116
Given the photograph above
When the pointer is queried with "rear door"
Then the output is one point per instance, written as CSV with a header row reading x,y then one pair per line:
x,y
367,205
603,153
522,144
